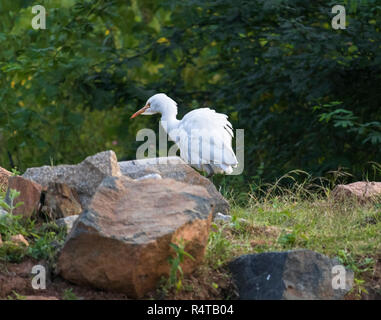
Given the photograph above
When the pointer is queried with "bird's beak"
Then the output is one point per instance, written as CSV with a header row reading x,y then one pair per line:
x,y
140,111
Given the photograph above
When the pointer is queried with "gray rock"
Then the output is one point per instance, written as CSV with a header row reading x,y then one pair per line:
x,y
121,242
84,177
291,275
67,222
173,168
139,168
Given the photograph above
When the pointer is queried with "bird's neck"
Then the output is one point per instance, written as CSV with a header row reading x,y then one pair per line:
x,y
169,120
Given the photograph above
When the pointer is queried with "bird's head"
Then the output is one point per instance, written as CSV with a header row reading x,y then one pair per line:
x,y
158,103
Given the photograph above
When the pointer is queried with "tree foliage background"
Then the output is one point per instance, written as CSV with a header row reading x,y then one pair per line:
x,y
308,96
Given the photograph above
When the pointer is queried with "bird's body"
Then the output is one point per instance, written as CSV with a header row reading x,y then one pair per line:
x,y
203,136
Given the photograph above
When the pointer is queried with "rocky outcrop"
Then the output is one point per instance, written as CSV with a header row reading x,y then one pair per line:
x,y
84,177
121,242
291,275
173,168
30,194
361,191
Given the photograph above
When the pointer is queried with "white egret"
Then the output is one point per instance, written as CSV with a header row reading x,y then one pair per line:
x,y
203,136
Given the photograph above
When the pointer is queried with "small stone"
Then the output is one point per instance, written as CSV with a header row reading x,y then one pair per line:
x,y
154,176
222,217
67,222
19,239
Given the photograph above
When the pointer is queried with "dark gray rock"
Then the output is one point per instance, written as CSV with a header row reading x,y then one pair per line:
x,y
177,169
291,275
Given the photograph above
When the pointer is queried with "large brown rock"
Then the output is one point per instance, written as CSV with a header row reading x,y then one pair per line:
x,y
4,175
362,191
84,177
173,168
121,242
30,195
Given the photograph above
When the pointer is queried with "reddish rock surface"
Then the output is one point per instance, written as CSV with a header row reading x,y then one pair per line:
x,y
30,194
121,242
361,191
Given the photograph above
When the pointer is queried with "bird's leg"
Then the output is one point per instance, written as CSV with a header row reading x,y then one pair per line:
x,y
210,171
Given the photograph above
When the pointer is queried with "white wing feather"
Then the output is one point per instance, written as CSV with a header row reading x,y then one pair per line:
x,y
205,137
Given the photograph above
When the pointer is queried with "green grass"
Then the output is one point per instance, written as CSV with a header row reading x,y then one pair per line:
x,y
44,239
317,224
68,294
304,215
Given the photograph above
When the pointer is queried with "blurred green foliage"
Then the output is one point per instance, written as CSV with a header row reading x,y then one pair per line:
x,y
307,96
